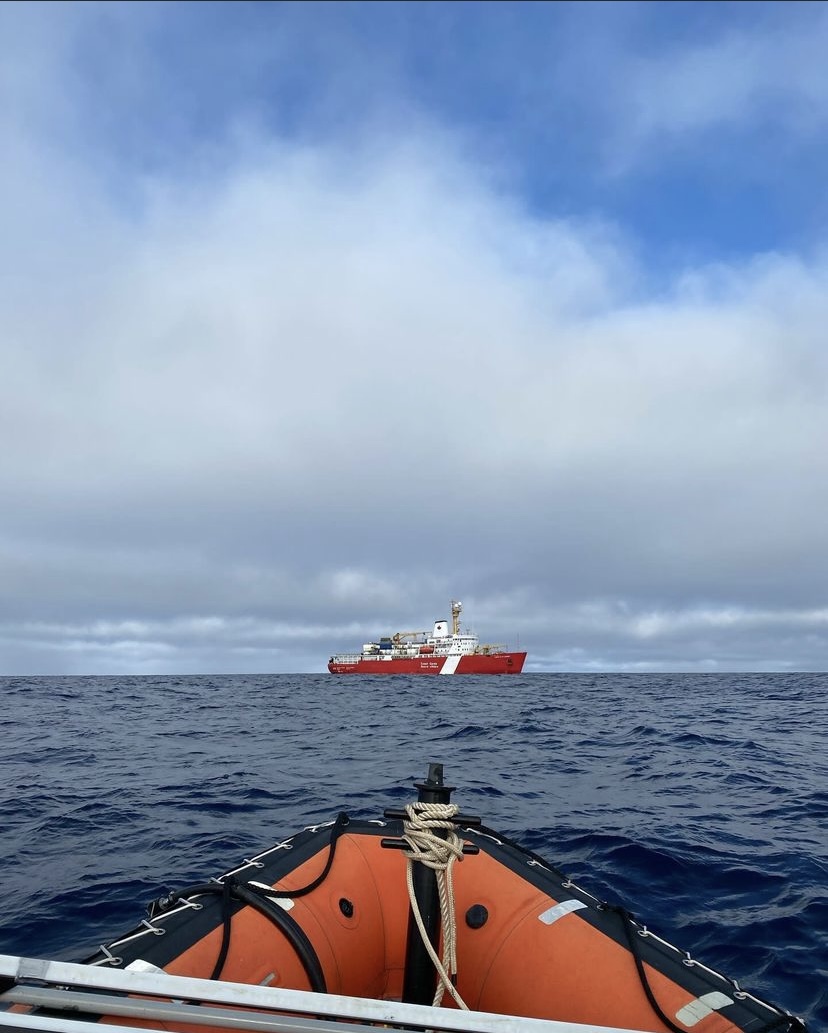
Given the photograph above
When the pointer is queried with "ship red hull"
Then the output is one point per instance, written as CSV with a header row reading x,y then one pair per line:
x,y
478,663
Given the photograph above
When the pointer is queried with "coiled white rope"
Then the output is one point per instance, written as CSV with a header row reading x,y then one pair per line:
x,y
440,854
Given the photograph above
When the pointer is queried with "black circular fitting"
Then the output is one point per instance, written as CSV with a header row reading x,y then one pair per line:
x,y
477,916
346,907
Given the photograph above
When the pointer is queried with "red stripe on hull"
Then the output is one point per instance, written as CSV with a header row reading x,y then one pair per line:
x,y
477,663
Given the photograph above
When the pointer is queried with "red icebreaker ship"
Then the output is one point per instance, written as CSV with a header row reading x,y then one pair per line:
x,y
441,652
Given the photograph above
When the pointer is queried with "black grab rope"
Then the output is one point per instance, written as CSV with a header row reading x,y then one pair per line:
x,y
257,898
294,933
635,949
338,827
226,915
793,1024
231,888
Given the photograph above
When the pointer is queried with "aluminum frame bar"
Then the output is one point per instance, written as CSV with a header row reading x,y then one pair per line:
x,y
307,1012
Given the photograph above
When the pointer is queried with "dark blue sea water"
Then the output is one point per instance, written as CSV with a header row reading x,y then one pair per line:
x,y
699,801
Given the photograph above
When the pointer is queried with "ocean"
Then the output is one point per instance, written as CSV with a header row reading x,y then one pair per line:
x,y
700,802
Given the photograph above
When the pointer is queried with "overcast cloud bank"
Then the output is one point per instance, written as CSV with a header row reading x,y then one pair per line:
x,y
287,394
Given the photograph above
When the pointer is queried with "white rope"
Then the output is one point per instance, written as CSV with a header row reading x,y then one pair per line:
x,y
440,854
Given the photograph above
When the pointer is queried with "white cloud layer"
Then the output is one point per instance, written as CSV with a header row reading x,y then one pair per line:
x,y
743,75
307,395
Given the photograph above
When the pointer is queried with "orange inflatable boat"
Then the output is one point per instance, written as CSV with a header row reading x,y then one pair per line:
x,y
426,907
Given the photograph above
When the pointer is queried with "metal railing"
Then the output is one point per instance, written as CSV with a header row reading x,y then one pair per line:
x,y
93,992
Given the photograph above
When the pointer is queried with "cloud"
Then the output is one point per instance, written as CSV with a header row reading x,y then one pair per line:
x,y
609,635
738,77
289,394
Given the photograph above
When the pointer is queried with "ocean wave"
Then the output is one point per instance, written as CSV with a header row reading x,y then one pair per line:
x,y
698,802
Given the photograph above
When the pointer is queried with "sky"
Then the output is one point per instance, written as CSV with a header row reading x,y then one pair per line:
x,y
314,317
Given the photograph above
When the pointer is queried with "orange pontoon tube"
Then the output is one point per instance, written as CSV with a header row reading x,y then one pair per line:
x,y
429,906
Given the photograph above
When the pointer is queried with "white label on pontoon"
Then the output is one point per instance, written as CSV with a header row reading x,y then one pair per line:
x,y
139,965
703,1006
285,903
559,910
450,666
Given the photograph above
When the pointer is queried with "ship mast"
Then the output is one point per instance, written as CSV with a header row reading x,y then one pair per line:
x,y
456,609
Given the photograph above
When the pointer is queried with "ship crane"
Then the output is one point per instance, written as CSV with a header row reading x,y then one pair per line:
x,y
407,634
